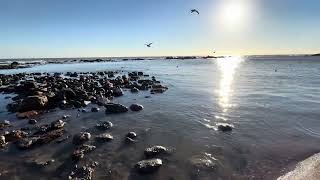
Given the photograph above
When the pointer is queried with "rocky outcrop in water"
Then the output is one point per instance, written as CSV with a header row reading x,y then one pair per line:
x,y
148,166
136,107
73,90
155,150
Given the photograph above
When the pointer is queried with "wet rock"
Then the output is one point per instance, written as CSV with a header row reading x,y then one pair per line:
x,y
27,143
28,114
203,162
81,173
129,140
131,135
66,116
115,108
81,138
57,124
148,166
3,142
63,139
136,107
33,103
104,125
117,92
4,124
134,90
50,136
147,97
95,109
155,150
104,137
41,164
224,127
15,135
158,90
81,151
32,121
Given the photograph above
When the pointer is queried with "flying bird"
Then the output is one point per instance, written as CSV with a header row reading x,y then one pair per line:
x,y
149,45
194,11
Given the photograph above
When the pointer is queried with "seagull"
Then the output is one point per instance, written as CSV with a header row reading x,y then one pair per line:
x,y
148,45
194,11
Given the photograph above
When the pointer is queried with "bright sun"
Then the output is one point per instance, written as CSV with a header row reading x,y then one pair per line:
x,y
234,13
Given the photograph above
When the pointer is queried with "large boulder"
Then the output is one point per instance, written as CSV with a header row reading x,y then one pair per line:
x,y
115,108
33,103
148,166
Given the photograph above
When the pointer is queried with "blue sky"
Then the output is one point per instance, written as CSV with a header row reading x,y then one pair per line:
x,y
83,28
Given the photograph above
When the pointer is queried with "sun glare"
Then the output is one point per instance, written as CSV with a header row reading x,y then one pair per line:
x,y
234,13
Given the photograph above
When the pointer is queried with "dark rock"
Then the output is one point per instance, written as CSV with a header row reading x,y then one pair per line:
x,y
134,90
5,124
148,166
81,138
155,150
41,164
136,107
57,124
50,136
27,143
115,108
224,127
15,135
81,151
28,114
33,121
131,135
81,173
104,137
104,125
95,109
117,92
63,139
33,103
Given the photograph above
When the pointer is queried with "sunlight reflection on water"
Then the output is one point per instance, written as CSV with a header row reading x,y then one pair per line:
x,y
227,67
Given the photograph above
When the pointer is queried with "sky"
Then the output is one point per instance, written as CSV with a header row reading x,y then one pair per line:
x,y
109,28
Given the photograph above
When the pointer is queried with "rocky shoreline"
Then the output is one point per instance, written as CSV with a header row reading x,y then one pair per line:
x,y
41,93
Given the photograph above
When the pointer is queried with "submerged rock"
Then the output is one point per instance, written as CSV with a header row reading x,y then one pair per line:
x,y
224,127
95,109
81,151
28,114
115,108
203,162
148,166
136,107
32,121
81,138
134,90
104,137
155,150
104,125
131,135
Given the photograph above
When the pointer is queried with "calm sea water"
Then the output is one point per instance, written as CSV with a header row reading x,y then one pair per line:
x,y
273,103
